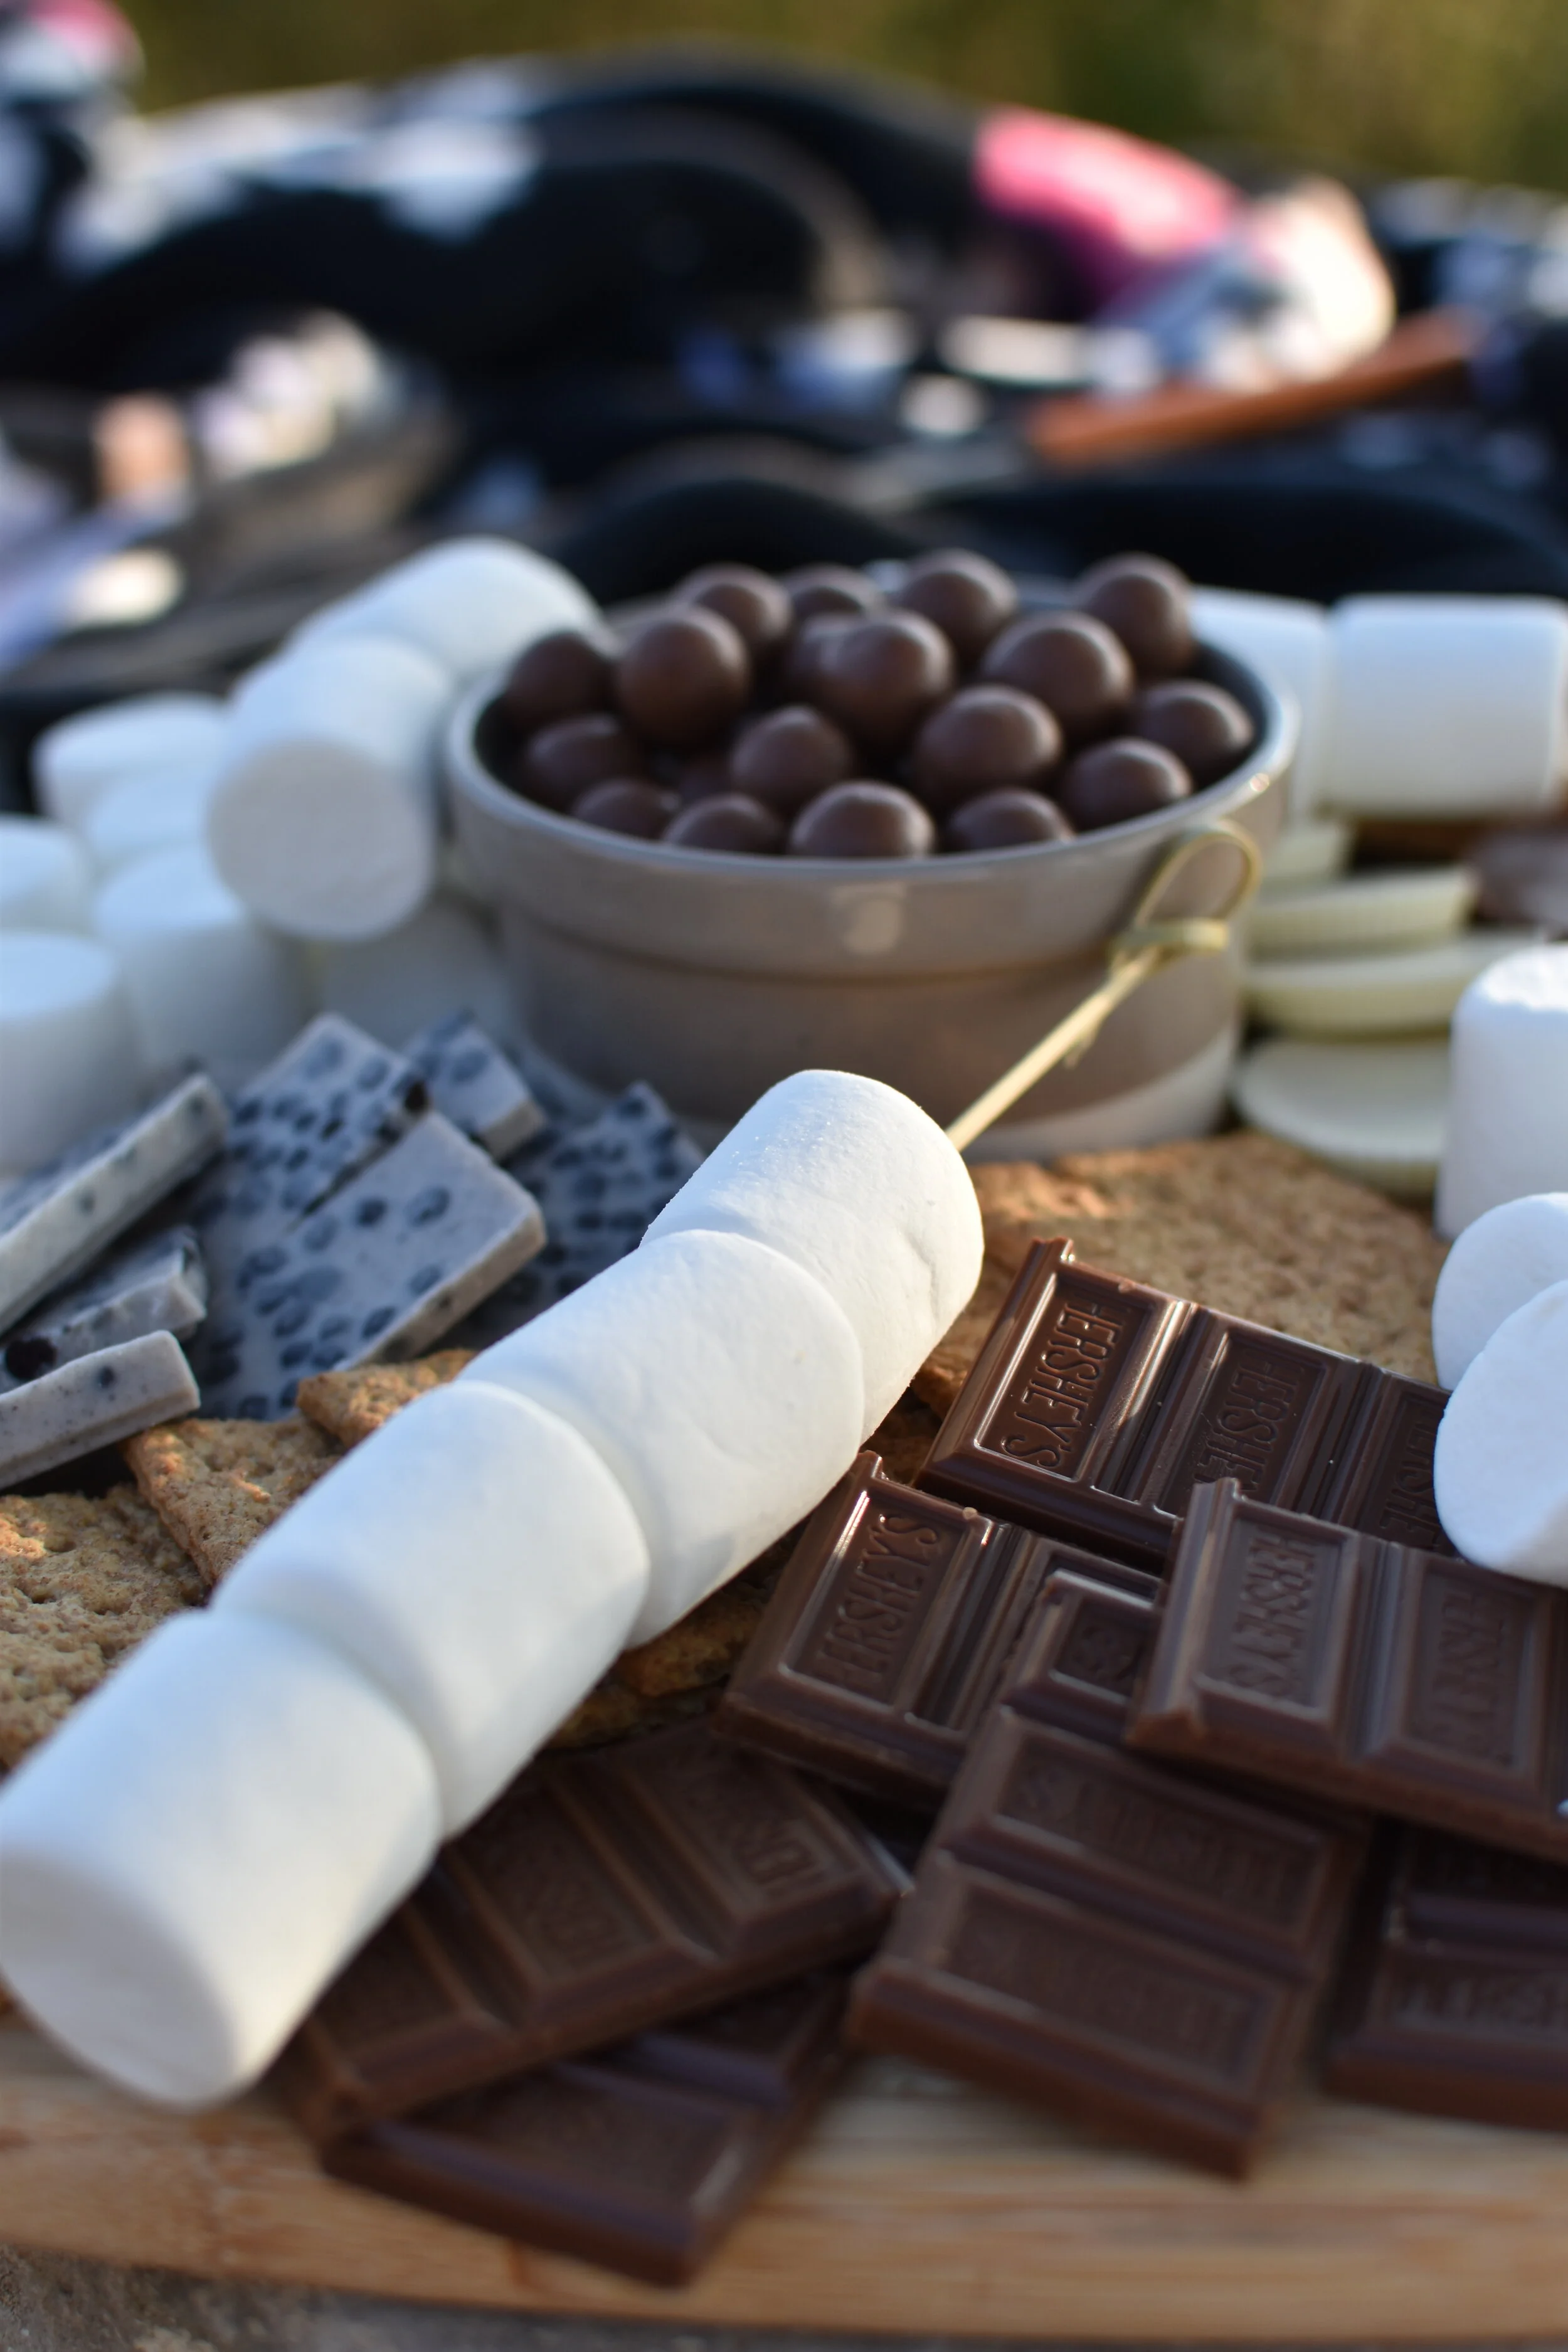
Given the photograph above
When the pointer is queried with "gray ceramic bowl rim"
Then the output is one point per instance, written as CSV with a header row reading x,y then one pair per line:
x,y
1278,727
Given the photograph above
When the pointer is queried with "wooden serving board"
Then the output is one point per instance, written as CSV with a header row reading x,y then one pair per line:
x,y
914,2206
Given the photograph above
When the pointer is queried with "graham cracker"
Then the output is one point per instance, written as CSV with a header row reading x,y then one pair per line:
x,y
352,1404
1238,1222
612,1712
82,1580
217,1485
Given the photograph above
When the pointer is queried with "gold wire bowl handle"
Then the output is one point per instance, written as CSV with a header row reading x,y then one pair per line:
x,y
1147,944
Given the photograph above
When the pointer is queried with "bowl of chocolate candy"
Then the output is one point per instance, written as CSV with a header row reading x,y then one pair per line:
x,y
884,822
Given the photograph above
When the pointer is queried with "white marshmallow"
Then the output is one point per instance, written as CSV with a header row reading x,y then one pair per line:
x,y
323,819
1506,1257
853,1181
68,1048
144,814
1289,641
1500,1468
721,1384
77,760
442,960
1449,705
478,1561
1508,1111
206,980
45,882
470,604
200,1844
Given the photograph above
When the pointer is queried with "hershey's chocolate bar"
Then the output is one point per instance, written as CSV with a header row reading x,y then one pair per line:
x,y
1098,1404
1408,1682
1133,1945
640,2157
885,1640
1455,1996
606,1892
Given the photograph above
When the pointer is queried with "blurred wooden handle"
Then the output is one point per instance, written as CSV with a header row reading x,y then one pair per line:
x,y
1093,430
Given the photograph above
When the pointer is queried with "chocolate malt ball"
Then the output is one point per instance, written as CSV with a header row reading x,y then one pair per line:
x,y
802,667
1112,781
1206,727
561,761
820,589
986,737
626,804
1070,662
683,677
1145,600
757,608
967,596
863,820
1009,819
787,758
880,678
701,777
731,821
558,677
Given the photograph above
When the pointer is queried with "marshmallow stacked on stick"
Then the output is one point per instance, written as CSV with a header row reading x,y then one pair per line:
x,y
187,1861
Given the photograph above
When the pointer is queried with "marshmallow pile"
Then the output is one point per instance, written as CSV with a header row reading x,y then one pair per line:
x,y
1499,1318
1436,707
205,874
187,1861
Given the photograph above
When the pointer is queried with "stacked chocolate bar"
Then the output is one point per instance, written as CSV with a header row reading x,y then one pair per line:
x,y
1167,1625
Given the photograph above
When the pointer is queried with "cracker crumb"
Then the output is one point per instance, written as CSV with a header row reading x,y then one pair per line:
x,y
350,1405
83,1578
218,1485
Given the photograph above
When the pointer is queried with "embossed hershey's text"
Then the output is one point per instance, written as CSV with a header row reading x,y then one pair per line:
x,y
1277,1588
1048,1414
880,1601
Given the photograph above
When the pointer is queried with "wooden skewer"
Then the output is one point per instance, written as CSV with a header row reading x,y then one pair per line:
x,y
1093,429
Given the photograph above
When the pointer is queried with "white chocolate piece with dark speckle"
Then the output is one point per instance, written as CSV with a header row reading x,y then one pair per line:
x,y
55,1222
92,1403
149,1286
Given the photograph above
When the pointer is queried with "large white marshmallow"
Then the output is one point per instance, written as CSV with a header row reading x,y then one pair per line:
x,y
721,1384
144,814
1501,1260
1508,1104
68,1059
442,960
200,1845
80,758
323,817
852,1181
1500,1468
207,982
44,881
469,603
1288,641
1449,705
477,1560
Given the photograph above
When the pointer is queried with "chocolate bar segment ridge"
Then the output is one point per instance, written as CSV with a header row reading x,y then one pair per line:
x,y
1098,1404
1132,1945
606,1892
1411,1683
640,2157
887,1638
1454,1999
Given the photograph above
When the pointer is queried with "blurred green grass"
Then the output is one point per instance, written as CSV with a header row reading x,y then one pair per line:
x,y
1473,86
